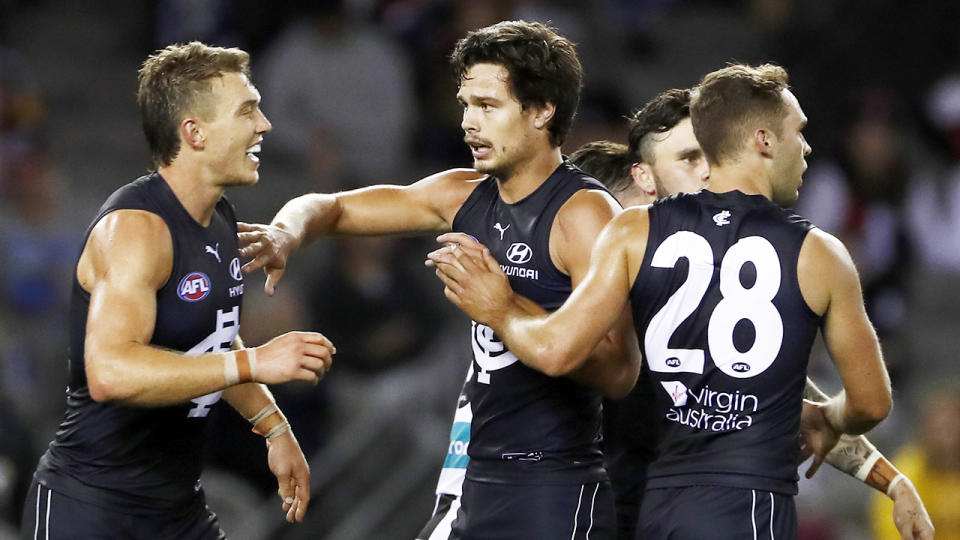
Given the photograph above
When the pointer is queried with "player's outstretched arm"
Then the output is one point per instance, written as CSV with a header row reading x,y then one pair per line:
x,y
284,456
426,205
831,287
858,457
561,342
127,259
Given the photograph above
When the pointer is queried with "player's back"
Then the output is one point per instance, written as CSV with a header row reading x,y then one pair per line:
x,y
726,334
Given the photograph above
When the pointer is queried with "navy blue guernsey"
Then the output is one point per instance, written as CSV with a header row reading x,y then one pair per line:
x,y
145,460
726,335
527,427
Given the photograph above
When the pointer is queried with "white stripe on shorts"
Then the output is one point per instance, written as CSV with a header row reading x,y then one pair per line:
x,y
753,514
577,514
36,517
596,487
771,517
49,495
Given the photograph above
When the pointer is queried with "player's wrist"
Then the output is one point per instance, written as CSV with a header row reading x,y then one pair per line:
x,y
240,366
269,422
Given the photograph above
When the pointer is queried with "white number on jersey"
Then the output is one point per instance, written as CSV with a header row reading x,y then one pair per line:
x,y
228,324
754,304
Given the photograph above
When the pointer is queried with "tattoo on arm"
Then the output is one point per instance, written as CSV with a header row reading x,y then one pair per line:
x,y
850,454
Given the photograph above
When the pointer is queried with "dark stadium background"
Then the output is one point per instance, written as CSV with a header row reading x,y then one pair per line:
x,y
358,92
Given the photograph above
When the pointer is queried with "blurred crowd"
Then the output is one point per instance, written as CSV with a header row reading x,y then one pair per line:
x,y
359,92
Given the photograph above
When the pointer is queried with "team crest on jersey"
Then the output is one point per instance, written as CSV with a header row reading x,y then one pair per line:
x,y
194,287
519,253
722,218
235,272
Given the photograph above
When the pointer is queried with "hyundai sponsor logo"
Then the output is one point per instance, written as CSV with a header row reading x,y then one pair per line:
x,y
519,253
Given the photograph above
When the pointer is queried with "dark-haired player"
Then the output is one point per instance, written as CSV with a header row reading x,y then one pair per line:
x,y
535,467
728,291
160,272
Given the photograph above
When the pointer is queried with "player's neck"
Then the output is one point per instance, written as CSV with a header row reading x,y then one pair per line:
x,y
529,175
195,194
741,177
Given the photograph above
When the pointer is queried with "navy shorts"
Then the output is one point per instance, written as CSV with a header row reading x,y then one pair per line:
x,y
49,515
545,512
718,513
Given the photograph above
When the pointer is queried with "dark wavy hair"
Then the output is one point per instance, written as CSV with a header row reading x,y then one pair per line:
x,y
543,67
659,115
607,161
175,82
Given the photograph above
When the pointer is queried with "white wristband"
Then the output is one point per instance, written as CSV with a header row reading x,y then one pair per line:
x,y
252,357
231,375
864,469
896,480
278,430
264,412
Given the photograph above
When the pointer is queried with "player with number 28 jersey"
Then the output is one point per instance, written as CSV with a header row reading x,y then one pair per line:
x,y
720,273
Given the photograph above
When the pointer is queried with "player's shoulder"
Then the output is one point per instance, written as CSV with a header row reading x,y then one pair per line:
x,y
127,227
823,247
460,176
589,204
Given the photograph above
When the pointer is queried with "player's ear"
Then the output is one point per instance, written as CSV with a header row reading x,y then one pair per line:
x,y
543,115
764,141
192,133
642,174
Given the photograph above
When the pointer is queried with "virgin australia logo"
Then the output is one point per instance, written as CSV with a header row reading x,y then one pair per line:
x,y
519,253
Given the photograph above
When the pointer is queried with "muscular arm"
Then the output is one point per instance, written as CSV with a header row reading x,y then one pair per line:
x,y
426,205
831,287
127,258
614,363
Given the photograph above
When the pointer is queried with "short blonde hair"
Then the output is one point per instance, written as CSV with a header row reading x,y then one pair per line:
x,y
174,82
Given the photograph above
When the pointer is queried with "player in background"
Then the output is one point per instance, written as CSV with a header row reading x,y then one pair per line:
x,y
535,465
159,272
664,158
728,291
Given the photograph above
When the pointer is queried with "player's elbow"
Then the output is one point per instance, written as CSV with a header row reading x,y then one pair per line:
x,y
623,382
556,361
104,381
103,385
867,414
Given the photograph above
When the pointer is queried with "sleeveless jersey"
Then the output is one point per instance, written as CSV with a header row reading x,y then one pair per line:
x,y
527,427
726,335
138,459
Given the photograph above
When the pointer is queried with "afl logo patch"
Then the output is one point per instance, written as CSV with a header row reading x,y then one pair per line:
x,y
519,253
235,272
194,287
